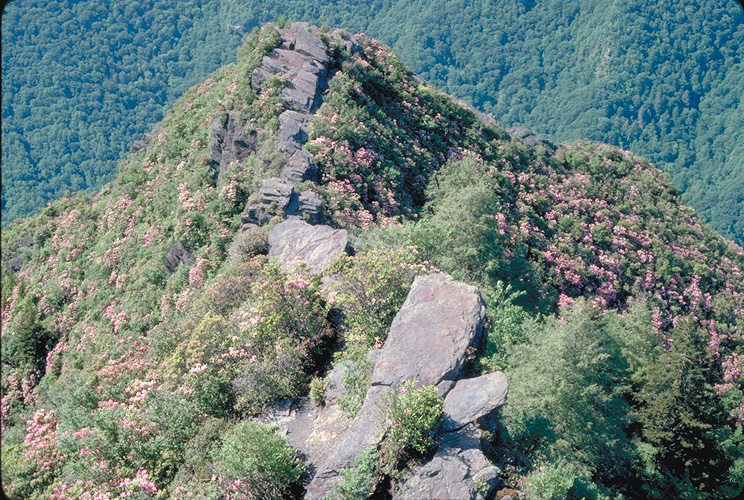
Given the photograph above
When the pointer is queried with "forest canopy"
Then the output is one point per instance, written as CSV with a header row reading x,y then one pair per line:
x,y
83,80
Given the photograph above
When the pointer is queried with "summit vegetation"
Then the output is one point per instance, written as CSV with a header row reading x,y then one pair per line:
x,y
83,80
614,310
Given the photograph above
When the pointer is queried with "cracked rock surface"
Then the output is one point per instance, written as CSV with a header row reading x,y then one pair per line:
x,y
429,341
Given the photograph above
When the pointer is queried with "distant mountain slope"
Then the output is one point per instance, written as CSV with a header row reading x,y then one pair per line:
x,y
147,329
659,78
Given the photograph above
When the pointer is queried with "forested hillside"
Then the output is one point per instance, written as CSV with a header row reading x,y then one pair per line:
x,y
157,333
82,80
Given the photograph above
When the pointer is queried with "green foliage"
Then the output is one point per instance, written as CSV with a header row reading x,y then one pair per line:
x,y
561,481
357,482
503,328
355,382
413,415
683,421
256,462
564,402
120,375
629,76
373,285
318,388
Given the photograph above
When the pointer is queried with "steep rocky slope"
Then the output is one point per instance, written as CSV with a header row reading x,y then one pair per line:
x,y
315,240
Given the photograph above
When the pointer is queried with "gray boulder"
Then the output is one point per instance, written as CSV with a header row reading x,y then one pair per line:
x,y
459,470
305,42
303,91
300,167
293,131
529,138
365,432
316,245
177,255
303,59
275,199
471,399
439,324
276,193
443,477
429,341
306,206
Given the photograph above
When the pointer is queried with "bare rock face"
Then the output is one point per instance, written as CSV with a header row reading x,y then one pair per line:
x,y
303,58
177,255
229,142
275,198
293,131
306,206
471,399
316,245
432,335
529,138
300,167
458,470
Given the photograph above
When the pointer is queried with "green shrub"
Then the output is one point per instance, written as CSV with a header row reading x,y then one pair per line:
x,y
356,384
247,244
373,286
318,387
254,461
551,482
413,415
357,482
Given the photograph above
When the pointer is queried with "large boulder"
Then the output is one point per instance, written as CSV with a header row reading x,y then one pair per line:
x,y
315,245
430,340
471,399
437,329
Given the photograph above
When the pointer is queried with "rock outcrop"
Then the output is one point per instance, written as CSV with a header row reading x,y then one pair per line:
x,y
430,340
459,470
529,138
315,245
303,59
230,142
441,321
177,255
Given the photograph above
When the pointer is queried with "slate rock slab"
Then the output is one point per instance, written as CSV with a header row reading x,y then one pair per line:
x,y
459,470
177,255
473,398
316,245
432,335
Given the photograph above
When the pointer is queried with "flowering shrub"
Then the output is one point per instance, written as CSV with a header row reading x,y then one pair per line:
x,y
379,136
414,414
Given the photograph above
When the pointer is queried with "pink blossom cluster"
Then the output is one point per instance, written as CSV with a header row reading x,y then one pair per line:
x,y
197,273
117,318
41,440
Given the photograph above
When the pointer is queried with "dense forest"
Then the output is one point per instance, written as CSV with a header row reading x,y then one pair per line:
x,y
83,80
146,331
